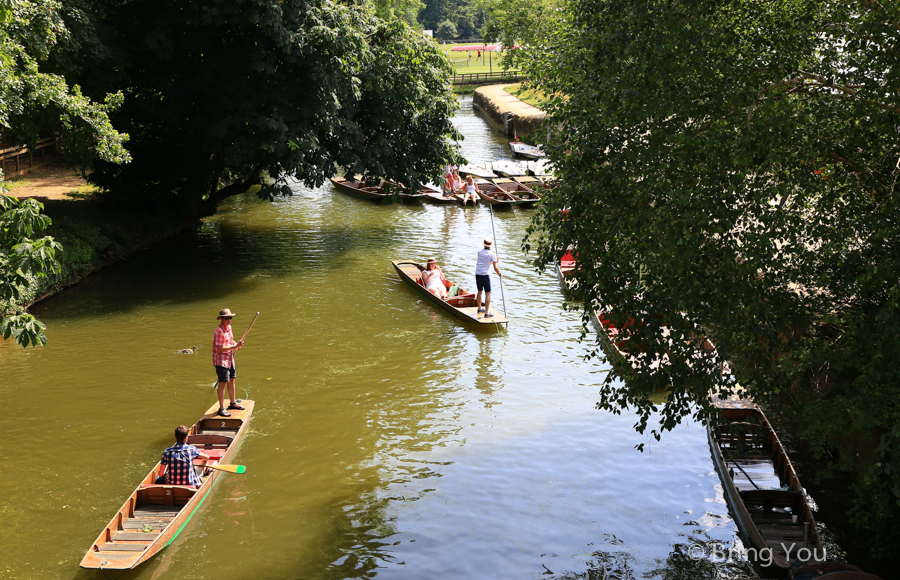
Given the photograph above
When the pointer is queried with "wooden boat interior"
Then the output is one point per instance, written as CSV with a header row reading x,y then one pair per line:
x,y
765,480
152,508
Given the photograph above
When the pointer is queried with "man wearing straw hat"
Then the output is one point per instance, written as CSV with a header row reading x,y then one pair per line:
x,y
486,258
223,358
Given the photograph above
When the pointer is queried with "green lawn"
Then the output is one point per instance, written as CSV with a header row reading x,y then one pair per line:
x,y
489,61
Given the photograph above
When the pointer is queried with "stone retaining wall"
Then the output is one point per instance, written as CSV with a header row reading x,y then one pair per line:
x,y
506,113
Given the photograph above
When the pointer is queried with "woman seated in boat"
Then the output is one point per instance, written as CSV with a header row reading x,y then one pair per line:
x,y
454,183
471,191
433,279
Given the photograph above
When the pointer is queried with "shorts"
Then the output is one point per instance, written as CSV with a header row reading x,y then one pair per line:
x,y
225,374
483,282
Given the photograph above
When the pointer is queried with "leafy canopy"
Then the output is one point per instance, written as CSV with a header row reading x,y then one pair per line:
x,y
729,170
222,92
34,102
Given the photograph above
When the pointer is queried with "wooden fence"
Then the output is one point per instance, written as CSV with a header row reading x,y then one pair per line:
x,y
17,160
487,78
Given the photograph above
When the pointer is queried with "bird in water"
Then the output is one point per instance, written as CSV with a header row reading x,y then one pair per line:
x,y
188,350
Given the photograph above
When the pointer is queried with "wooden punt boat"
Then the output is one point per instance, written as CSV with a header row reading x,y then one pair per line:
x,y
761,487
154,515
495,195
437,196
524,195
358,188
526,151
564,270
462,305
536,184
383,191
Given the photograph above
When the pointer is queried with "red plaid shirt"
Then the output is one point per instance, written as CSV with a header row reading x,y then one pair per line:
x,y
223,337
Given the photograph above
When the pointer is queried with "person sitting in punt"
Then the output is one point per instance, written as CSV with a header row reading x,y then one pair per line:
x,y
433,279
177,463
454,183
471,191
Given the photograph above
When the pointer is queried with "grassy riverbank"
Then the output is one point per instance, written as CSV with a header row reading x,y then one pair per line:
x,y
92,233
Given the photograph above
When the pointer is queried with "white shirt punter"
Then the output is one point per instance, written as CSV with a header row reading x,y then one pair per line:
x,y
485,258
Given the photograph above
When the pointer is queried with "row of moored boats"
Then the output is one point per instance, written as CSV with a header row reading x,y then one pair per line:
x,y
524,191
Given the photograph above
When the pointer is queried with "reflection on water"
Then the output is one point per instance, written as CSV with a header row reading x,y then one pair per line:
x,y
389,440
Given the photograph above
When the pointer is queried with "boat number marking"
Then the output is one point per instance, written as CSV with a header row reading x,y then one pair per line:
x,y
223,424
168,492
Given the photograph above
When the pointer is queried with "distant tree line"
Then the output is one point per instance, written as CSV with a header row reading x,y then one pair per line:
x,y
452,19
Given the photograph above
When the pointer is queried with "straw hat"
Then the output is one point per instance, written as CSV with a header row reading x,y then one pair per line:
x,y
432,260
487,243
225,313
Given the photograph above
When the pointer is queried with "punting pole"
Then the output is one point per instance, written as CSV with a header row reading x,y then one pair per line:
x,y
246,332
497,249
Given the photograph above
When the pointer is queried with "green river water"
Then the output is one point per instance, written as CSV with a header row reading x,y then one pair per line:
x,y
389,440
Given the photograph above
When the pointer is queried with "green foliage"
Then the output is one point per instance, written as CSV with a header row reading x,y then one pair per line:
x,y
22,259
522,23
729,170
226,91
33,102
446,30
404,10
465,15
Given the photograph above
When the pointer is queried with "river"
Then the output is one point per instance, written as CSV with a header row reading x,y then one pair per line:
x,y
389,439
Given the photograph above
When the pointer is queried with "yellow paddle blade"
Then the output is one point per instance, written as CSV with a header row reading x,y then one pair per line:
x,y
228,468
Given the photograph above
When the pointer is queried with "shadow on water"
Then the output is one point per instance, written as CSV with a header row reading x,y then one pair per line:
x,y
225,257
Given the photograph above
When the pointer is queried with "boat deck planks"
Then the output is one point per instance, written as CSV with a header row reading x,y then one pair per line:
x,y
761,487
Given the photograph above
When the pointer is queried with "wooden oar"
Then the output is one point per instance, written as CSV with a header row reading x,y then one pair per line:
x,y
246,332
228,468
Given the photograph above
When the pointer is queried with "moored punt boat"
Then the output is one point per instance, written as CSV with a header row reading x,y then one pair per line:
x,y
437,196
535,184
762,489
358,188
462,305
153,515
526,151
524,196
564,271
495,195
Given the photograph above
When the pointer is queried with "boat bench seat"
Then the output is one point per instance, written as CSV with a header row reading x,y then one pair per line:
x,y
214,455
209,441
168,495
766,499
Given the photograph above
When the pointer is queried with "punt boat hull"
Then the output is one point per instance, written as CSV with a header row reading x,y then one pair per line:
x,y
770,508
153,515
462,306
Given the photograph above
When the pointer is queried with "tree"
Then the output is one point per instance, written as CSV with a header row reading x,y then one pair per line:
x,y
33,101
22,260
221,94
404,10
730,171
446,30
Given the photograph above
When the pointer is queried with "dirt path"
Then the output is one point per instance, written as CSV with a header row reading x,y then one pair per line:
x,y
51,182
